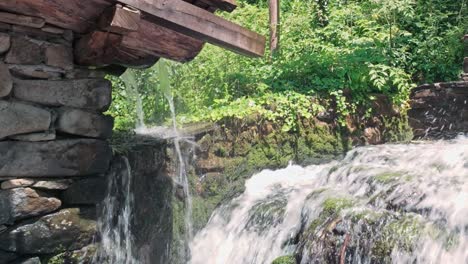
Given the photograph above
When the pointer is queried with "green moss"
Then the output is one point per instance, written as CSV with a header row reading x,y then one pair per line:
x,y
387,177
397,129
335,205
284,260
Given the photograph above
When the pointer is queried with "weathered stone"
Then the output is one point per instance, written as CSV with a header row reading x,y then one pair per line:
x,y
2,228
60,158
85,74
34,22
6,83
68,229
16,183
24,51
59,56
86,191
465,65
85,93
20,203
35,71
35,260
4,42
36,137
372,135
52,29
5,26
79,122
18,118
7,257
52,185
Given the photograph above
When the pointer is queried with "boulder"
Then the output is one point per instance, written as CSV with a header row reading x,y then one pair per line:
x,y
4,42
52,185
82,123
93,94
24,50
36,137
7,257
60,158
68,229
6,83
20,203
19,118
16,183
59,56
35,71
35,260
86,191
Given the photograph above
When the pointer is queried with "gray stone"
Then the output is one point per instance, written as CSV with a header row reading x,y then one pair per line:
x,y
52,185
21,203
24,50
7,257
465,65
35,71
2,228
16,183
35,260
86,191
85,74
68,229
59,56
82,123
18,118
6,83
36,137
60,158
4,42
92,94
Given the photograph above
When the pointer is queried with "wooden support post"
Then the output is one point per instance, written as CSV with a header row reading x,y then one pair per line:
x,y
274,27
200,24
120,20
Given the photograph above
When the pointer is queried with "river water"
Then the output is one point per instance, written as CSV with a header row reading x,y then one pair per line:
x,y
393,203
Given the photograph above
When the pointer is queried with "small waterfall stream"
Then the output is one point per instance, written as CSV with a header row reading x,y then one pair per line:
x,y
401,203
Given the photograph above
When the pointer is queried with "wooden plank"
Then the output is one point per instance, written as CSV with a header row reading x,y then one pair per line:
x,y
225,5
201,24
120,20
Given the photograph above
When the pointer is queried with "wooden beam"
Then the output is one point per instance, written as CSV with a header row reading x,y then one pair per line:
x,y
200,24
225,5
119,20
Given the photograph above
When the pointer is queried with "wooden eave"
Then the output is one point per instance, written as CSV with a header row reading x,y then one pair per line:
x,y
137,32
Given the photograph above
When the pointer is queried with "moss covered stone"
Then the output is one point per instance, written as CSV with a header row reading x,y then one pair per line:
x,y
284,260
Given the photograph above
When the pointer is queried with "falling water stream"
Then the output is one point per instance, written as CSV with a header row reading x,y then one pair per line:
x,y
408,201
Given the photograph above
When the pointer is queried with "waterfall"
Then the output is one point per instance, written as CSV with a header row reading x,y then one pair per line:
x,y
114,227
395,203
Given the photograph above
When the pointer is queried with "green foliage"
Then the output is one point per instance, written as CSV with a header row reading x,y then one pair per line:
x,y
284,260
334,52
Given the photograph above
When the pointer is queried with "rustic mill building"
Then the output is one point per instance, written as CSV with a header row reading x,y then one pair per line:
x,y
54,55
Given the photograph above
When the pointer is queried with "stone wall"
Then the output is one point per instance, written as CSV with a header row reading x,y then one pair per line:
x,y
440,110
53,148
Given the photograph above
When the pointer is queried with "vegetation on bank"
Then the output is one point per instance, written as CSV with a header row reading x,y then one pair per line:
x,y
333,53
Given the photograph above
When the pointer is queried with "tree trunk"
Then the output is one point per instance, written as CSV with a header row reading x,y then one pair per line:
x,y
274,26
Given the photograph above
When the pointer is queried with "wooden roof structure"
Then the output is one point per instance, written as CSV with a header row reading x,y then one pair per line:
x,y
136,33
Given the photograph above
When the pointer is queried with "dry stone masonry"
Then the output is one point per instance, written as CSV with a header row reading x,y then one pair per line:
x,y
53,148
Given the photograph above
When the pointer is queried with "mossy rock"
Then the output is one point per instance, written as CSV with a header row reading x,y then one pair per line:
x,y
284,260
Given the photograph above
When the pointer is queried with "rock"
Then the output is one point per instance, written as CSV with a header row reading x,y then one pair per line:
x,y
59,56
53,30
6,83
10,18
20,203
16,183
24,51
80,256
4,43
60,158
36,137
35,71
372,135
2,228
82,123
86,191
52,185
94,94
35,260
19,118
465,65
7,257
68,229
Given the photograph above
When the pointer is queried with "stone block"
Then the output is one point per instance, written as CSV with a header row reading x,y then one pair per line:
x,y
6,82
60,158
36,137
21,203
465,65
86,192
4,42
59,56
93,94
66,230
52,185
85,74
19,118
34,22
24,50
35,71
82,123
16,183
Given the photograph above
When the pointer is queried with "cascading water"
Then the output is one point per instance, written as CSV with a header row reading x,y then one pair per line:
x,y
401,203
116,244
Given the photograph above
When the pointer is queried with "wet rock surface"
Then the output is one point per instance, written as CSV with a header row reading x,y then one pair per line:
x,y
83,123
